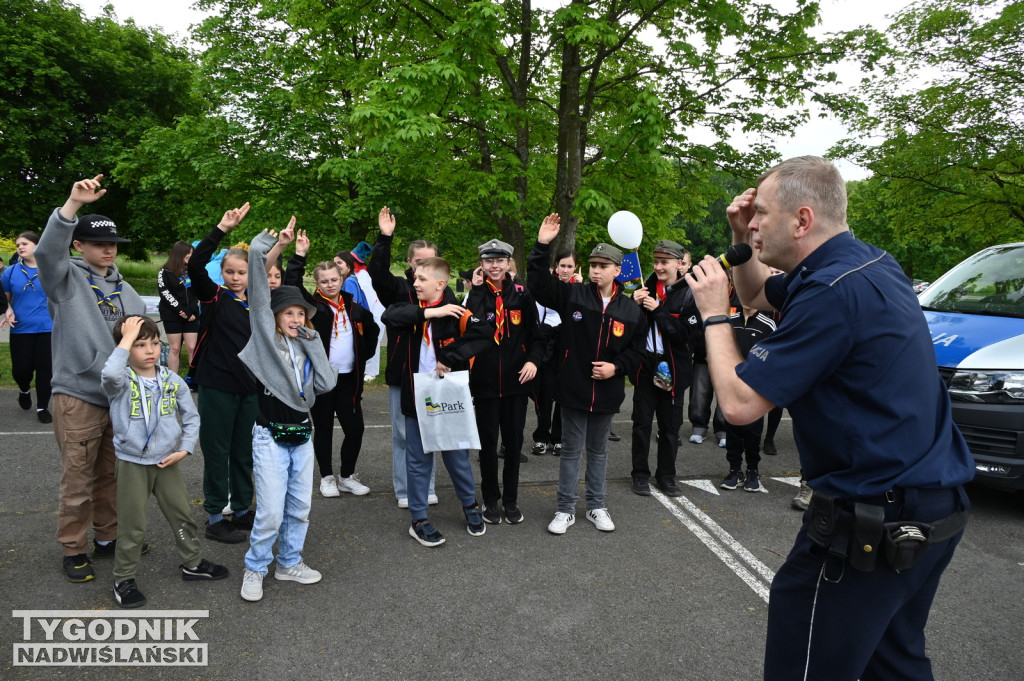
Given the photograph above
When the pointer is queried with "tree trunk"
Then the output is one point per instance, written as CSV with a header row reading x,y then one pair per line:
x,y
569,174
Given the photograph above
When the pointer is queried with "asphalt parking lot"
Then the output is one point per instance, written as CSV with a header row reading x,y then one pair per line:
x,y
678,590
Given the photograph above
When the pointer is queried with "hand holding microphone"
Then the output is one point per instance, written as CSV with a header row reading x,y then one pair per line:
x,y
737,254
709,283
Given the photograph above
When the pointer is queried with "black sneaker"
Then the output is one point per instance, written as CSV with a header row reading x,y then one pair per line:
x,y
474,520
612,437
425,533
641,486
127,594
243,523
523,458
204,571
25,400
224,532
668,486
78,568
492,515
539,448
44,416
769,447
557,449
752,483
101,551
512,513
733,480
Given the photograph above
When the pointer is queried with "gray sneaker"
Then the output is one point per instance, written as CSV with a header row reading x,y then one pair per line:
x,y
252,585
300,572
803,498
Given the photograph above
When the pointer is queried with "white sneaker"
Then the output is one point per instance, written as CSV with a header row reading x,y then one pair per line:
x,y
403,502
227,509
696,439
300,572
431,500
328,487
352,485
561,523
601,519
252,585
721,443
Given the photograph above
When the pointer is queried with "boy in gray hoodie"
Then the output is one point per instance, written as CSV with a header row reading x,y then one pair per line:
x,y
85,296
145,402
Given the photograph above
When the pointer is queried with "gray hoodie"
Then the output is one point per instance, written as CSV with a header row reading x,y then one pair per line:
x,y
262,353
128,417
81,341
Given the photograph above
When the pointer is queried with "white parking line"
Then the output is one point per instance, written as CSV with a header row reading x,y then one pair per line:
x,y
718,547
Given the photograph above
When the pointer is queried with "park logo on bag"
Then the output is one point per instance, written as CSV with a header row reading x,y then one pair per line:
x,y
437,408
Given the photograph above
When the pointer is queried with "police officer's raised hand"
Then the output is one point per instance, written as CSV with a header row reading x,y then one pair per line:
x,y
549,229
739,213
386,221
82,192
233,217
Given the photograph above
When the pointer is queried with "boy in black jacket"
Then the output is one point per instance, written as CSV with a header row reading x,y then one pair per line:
x,y
502,376
601,340
431,331
655,392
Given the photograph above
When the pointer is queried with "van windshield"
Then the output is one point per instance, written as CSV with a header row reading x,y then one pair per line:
x,y
990,282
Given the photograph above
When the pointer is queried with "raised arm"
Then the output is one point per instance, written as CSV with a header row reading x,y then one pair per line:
x,y
547,289
750,277
206,288
52,251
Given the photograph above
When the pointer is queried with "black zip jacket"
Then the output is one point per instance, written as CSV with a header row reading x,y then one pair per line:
x,y
495,371
390,290
224,327
365,332
175,297
589,333
452,348
670,318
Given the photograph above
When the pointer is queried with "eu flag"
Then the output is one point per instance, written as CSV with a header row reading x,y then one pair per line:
x,y
630,268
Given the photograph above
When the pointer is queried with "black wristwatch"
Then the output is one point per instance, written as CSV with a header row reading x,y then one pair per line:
x,y
716,319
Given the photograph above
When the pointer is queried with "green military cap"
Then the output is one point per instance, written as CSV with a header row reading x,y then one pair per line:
x,y
607,252
495,249
670,248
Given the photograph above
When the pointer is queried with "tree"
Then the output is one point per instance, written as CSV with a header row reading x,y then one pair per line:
x,y
75,94
949,103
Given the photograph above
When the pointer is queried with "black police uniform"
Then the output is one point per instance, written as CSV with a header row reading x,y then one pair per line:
x,y
853,362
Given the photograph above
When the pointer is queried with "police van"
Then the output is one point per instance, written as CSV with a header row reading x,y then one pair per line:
x,y
976,316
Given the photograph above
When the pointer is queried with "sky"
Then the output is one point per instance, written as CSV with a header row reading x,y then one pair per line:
x,y
815,137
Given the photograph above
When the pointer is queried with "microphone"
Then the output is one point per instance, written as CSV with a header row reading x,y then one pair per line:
x,y
737,254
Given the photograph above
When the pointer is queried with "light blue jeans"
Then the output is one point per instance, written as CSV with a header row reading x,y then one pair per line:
x,y
399,476
284,489
583,430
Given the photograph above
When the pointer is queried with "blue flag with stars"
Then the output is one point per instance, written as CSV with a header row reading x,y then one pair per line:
x,y
630,268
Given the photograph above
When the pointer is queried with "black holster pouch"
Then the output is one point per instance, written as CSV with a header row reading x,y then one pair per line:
x,y
905,542
850,534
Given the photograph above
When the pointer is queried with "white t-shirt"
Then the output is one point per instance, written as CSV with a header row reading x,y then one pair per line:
x,y
428,358
342,355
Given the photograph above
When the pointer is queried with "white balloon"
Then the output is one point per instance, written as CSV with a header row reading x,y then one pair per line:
x,y
625,230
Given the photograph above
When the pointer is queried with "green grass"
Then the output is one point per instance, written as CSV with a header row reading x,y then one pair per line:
x,y
5,367
142,275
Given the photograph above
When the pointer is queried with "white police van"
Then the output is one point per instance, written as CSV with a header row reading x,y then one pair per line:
x,y
976,316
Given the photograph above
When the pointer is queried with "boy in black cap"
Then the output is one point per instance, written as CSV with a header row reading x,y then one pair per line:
x,y
601,340
665,373
87,296
501,377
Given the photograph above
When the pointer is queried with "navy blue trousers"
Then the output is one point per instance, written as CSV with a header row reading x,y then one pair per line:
x,y
830,622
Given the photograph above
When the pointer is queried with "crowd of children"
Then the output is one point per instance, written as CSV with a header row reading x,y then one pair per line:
x,y
274,364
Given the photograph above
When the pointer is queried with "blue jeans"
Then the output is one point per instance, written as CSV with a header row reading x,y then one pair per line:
x,y
583,429
398,476
284,488
420,467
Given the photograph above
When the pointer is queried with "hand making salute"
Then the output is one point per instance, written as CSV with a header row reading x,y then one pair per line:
x,y
431,332
502,376
227,391
601,340
665,373
392,289
349,336
288,362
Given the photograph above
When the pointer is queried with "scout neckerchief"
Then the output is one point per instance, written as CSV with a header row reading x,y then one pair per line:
x,y
28,277
300,378
499,311
144,399
101,298
426,322
339,311
234,296
660,292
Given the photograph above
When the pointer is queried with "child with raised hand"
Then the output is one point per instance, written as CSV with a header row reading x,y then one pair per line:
x,y
288,360
432,330
146,401
349,336
227,392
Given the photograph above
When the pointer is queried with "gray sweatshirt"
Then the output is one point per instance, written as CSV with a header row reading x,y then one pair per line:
x,y
129,418
262,354
81,340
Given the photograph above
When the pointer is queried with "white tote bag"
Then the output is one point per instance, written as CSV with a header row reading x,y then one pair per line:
x,y
444,409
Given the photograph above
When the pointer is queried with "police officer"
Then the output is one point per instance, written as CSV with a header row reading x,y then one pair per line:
x,y
853,362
